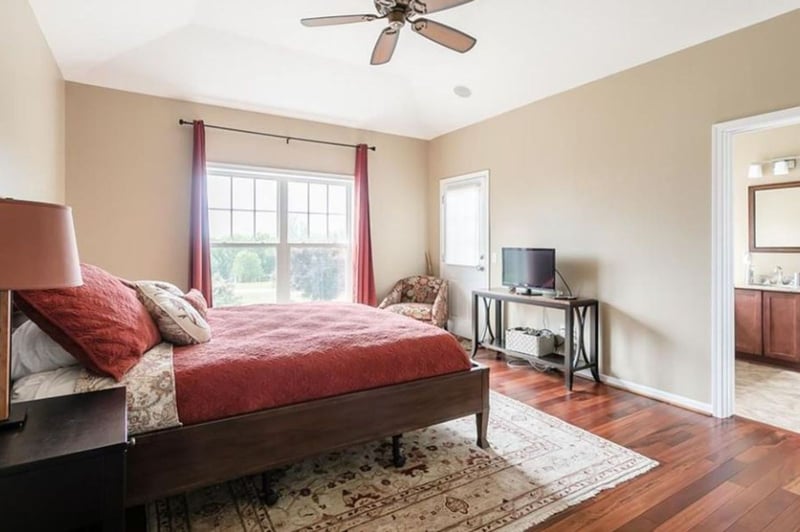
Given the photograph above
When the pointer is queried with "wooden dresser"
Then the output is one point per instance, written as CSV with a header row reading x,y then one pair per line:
x,y
768,325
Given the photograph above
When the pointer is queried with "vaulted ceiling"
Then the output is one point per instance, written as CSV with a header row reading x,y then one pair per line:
x,y
255,54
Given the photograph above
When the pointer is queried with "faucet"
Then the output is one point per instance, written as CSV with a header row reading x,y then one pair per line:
x,y
778,275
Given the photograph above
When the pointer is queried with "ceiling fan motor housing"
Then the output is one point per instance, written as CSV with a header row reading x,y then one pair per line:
x,y
396,18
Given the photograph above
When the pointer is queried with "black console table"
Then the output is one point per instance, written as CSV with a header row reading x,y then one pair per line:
x,y
581,312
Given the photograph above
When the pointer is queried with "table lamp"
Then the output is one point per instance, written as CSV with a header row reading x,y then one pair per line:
x,y
37,251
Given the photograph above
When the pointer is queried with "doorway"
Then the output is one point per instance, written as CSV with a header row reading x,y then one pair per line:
x,y
723,254
464,243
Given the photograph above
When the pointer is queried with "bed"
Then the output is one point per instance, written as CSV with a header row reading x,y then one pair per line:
x,y
279,383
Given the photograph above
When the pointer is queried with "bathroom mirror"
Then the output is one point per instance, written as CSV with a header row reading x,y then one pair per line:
x,y
775,217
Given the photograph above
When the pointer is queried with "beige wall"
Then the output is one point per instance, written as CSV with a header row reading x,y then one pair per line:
x,y
616,176
129,166
31,109
761,146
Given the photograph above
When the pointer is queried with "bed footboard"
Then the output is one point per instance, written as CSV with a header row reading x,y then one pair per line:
x,y
177,460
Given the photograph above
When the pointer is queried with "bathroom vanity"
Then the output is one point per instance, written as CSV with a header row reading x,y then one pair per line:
x,y
768,324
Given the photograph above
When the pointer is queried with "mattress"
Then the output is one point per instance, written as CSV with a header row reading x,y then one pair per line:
x,y
265,356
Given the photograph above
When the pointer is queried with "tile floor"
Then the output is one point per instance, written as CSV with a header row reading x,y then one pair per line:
x,y
768,394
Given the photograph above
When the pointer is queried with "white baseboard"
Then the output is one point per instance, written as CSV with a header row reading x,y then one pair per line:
x,y
653,393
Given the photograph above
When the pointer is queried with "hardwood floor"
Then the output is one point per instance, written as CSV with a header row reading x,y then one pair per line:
x,y
714,475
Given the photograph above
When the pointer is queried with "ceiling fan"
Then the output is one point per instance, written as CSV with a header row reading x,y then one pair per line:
x,y
397,13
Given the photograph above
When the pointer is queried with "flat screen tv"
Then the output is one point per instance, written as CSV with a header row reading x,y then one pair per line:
x,y
529,268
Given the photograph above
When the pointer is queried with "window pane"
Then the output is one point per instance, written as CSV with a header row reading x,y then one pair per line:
x,y
219,225
242,193
243,276
219,192
266,195
318,274
242,225
317,228
462,225
337,199
298,227
298,197
318,198
266,227
337,228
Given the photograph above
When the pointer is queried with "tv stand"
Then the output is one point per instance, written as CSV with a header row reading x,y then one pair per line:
x,y
578,354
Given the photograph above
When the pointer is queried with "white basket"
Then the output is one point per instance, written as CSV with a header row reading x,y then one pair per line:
x,y
530,341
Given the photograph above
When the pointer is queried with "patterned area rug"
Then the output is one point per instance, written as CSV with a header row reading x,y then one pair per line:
x,y
537,466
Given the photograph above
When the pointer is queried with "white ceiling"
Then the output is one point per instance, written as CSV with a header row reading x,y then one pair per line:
x,y
254,54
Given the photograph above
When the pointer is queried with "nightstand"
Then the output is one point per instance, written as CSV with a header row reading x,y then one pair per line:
x,y
65,469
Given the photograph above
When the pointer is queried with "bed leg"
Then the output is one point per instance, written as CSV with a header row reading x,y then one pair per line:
x,y
398,459
268,494
482,424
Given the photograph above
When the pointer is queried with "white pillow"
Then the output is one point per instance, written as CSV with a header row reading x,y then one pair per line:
x,y
33,351
46,384
177,320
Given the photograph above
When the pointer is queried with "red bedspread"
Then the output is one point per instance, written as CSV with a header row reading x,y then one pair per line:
x,y
263,356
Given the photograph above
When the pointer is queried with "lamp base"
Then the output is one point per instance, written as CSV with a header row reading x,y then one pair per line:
x,y
16,421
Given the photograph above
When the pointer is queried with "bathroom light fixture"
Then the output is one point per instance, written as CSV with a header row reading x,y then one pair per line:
x,y
782,166
778,165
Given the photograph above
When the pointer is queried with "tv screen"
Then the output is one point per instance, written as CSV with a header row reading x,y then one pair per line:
x,y
529,267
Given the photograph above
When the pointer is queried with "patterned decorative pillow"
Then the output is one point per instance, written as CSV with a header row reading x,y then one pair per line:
x,y
193,296
164,285
177,320
196,299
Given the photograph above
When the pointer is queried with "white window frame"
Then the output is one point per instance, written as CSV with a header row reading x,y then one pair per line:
x,y
282,246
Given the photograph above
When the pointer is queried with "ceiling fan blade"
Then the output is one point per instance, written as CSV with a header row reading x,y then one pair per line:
x,y
444,35
425,7
384,48
335,20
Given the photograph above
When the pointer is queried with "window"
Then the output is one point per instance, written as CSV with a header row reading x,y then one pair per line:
x,y
278,236
461,208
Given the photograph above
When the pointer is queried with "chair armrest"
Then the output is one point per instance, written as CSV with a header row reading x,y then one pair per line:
x,y
439,308
394,296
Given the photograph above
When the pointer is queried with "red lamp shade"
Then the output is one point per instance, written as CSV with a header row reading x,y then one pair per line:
x,y
37,252
37,246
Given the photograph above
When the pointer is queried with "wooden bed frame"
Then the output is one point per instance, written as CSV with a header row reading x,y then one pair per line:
x,y
176,460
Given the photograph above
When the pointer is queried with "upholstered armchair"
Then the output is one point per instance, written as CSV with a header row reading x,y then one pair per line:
x,y
421,297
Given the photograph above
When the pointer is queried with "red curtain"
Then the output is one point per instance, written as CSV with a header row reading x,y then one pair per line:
x,y
200,252
363,274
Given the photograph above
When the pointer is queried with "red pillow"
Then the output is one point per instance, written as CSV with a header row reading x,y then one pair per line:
x,y
102,323
196,299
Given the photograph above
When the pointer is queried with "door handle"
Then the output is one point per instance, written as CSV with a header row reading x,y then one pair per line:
x,y
480,267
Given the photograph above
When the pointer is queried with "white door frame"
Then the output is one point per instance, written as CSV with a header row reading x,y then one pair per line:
x,y
723,378
487,212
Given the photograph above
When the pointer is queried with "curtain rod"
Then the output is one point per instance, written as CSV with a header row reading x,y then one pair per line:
x,y
183,122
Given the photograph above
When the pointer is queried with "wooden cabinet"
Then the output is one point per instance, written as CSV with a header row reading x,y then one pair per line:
x,y
748,312
768,325
782,326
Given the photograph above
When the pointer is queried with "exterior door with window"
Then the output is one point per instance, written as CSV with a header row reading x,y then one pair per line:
x,y
464,243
